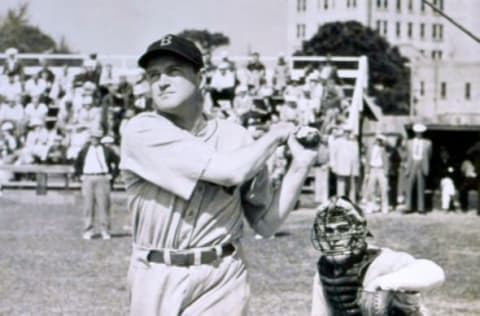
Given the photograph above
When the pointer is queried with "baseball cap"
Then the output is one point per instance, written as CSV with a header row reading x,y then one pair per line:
x,y
172,44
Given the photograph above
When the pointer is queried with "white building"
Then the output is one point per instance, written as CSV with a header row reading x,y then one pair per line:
x,y
411,25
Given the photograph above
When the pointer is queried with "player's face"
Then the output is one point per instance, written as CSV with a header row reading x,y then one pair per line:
x,y
337,241
173,82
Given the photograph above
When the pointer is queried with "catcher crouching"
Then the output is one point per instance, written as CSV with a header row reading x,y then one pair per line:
x,y
355,278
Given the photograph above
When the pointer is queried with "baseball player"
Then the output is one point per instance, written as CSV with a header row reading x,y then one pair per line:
x,y
355,278
190,181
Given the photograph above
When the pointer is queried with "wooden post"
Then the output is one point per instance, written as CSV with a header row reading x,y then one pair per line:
x,y
41,183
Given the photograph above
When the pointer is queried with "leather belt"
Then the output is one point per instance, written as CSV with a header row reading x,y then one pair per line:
x,y
190,257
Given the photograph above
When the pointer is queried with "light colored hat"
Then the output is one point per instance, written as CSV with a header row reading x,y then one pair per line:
x,y
419,128
381,137
223,66
11,51
7,126
107,139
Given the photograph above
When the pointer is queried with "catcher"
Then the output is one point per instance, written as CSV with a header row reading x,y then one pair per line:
x,y
355,278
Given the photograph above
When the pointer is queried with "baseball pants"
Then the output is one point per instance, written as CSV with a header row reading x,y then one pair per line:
x,y
215,289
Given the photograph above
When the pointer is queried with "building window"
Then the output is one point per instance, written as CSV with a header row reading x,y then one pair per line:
x,y
409,29
304,5
440,4
440,32
399,5
422,30
385,29
378,26
467,91
354,3
440,54
385,4
443,90
300,31
301,5
422,7
422,88
348,3
325,4
379,4
434,31
397,29
410,5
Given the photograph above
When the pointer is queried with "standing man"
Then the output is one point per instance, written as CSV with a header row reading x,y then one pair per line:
x,y
419,151
377,167
190,181
96,164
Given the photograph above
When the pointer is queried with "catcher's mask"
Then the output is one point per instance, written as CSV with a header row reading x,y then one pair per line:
x,y
340,228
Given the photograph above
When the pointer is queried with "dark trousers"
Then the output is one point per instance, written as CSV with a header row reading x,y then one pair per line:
x,y
467,185
393,190
224,94
416,179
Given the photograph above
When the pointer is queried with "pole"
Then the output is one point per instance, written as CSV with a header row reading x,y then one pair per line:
x,y
463,29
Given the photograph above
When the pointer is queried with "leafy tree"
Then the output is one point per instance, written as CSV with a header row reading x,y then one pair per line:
x,y
205,39
16,31
389,77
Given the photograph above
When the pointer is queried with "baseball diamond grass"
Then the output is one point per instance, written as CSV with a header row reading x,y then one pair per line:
x,y
47,269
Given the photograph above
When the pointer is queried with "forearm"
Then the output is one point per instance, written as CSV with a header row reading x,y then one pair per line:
x,y
420,275
285,198
236,167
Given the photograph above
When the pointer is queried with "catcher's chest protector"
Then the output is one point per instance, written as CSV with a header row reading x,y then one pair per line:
x,y
342,284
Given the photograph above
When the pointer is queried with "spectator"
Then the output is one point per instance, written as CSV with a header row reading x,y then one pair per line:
x,y
469,181
10,141
447,189
107,76
418,167
289,111
65,115
13,66
57,152
281,75
395,160
12,87
35,86
242,104
77,138
255,72
96,164
45,72
12,110
346,164
377,168
224,58
222,86
141,97
36,110
36,143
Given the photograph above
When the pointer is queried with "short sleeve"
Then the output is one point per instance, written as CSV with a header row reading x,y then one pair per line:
x,y
387,262
257,196
158,151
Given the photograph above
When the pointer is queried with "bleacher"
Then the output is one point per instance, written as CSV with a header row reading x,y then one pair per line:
x,y
353,72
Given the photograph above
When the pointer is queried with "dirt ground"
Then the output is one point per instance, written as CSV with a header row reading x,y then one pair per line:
x,y
47,269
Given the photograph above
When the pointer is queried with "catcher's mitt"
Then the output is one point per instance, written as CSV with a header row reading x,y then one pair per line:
x,y
388,303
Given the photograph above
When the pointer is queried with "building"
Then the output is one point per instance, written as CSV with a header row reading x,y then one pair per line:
x,y
411,25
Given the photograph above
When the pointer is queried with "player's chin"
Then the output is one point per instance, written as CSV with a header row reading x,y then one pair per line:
x,y
339,258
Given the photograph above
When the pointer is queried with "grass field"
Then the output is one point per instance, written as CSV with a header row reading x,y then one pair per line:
x,y
47,269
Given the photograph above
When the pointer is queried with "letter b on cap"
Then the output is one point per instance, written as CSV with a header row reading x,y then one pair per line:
x,y
167,40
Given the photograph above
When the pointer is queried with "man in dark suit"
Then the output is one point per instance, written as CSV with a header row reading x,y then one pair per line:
x,y
419,151
96,164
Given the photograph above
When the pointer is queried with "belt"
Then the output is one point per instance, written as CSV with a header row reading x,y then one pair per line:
x,y
96,174
190,257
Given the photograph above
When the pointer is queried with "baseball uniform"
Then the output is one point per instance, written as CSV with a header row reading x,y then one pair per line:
x,y
173,209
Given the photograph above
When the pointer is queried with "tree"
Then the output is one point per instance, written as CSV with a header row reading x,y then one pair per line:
x,y
205,39
16,31
389,77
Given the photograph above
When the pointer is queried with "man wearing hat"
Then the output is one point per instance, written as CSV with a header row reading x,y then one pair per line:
x,y
96,165
12,65
419,151
222,86
190,181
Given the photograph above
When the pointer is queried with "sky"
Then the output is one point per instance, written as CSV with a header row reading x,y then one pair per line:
x,y
126,27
